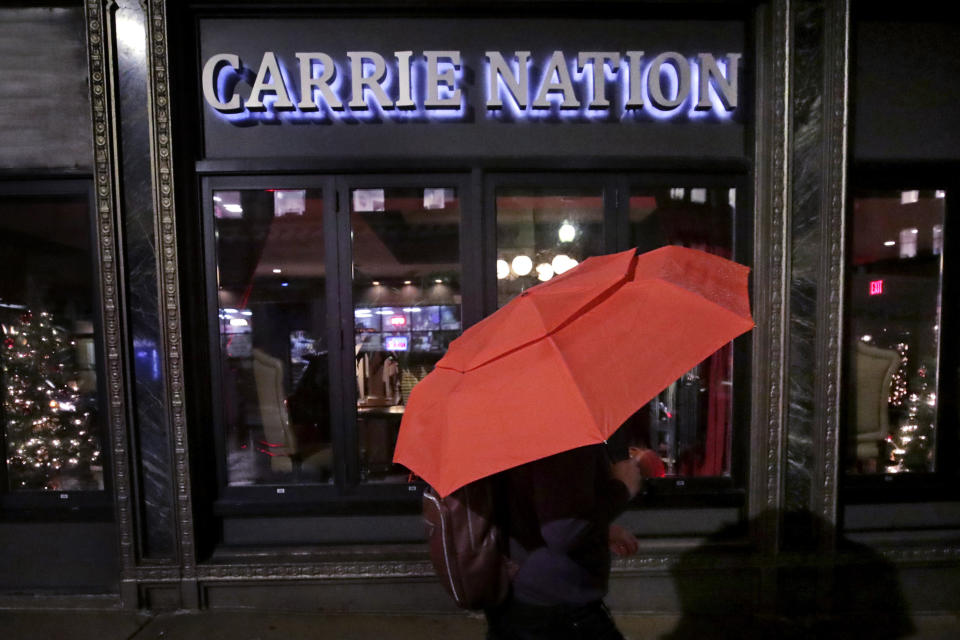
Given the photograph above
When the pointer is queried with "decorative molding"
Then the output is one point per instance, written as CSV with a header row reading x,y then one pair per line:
x,y
316,571
103,109
168,272
832,235
641,563
948,556
780,248
771,250
695,559
158,574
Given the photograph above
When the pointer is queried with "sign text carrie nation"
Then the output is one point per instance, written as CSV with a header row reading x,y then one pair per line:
x,y
432,81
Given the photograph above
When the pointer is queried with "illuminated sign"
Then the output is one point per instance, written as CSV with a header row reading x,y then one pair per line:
x,y
876,287
368,86
396,343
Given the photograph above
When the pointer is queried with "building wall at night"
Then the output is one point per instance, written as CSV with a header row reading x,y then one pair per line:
x,y
203,236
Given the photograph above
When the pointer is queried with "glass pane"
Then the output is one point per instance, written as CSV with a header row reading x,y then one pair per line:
x,y
272,289
406,307
544,231
51,424
688,426
893,342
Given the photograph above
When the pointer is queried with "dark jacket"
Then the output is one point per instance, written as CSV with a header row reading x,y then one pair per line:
x,y
560,511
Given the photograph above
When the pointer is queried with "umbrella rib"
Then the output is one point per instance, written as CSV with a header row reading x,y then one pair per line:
x,y
599,298
569,372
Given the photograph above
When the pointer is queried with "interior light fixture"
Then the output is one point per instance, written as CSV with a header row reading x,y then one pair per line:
x,y
438,281
544,272
909,197
278,270
376,283
521,265
567,232
407,282
233,208
503,269
562,262
890,243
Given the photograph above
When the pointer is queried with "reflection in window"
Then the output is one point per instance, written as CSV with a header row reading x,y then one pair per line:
x,y
893,342
689,424
51,423
406,307
543,232
274,368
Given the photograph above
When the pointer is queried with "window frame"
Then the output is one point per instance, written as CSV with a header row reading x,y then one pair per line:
x,y
615,186
345,495
255,508
944,483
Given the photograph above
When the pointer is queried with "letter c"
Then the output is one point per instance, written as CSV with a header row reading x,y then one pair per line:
x,y
210,78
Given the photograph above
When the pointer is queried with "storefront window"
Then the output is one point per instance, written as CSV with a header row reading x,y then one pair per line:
x,y
689,424
271,293
542,232
50,413
406,307
893,340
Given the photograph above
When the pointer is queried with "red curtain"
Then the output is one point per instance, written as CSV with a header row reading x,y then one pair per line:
x,y
699,227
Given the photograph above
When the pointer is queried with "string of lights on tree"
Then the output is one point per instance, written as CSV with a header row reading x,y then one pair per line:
x,y
910,445
898,385
51,444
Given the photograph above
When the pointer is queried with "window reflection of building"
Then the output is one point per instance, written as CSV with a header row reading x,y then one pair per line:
x,y
893,342
406,307
542,232
271,290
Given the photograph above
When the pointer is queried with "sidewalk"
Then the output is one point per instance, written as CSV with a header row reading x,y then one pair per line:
x,y
263,625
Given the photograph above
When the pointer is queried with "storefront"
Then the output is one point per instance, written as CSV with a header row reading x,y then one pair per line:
x,y
293,212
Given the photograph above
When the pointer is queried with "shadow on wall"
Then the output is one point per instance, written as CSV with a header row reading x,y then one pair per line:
x,y
852,594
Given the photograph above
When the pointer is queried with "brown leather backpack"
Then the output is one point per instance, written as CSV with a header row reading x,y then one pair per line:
x,y
468,545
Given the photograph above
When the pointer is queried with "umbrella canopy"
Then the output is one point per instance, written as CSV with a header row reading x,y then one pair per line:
x,y
566,362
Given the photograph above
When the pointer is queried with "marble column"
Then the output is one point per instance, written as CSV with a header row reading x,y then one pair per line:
x,y
817,157
152,439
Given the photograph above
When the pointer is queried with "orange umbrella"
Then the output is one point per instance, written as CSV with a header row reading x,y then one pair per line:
x,y
566,362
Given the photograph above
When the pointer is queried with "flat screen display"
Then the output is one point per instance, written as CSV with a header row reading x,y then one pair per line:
x,y
396,343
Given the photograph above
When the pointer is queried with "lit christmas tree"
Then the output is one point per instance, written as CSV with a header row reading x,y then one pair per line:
x,y
911,446
51,443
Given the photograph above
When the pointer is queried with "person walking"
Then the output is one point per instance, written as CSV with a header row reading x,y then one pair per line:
x,y
561,510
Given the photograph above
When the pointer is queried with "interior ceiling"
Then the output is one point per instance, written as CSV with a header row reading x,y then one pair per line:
x,y
404,241
408,241
879,219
